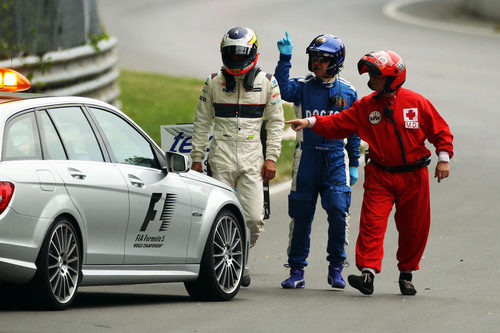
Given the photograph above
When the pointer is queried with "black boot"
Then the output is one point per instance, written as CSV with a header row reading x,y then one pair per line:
x,y
405,284
363,282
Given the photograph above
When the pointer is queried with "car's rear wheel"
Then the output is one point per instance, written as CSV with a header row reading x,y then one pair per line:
x,y
221,266
59,266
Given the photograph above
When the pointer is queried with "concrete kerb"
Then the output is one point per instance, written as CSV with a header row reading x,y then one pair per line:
x,y
434,14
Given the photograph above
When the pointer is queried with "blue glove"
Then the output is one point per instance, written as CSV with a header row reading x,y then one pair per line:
x,y
353,172
285,45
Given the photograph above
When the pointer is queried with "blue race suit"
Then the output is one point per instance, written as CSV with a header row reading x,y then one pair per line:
x,y
321,166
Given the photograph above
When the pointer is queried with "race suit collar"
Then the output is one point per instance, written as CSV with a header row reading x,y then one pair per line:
x,y
327,83
247,79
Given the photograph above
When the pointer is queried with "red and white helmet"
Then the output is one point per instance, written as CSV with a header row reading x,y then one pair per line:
x,y
384,63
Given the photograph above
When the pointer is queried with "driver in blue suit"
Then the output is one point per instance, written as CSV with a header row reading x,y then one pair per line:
x,y
321,166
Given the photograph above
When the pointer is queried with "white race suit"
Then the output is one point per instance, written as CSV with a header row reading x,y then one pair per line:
x,y
236,156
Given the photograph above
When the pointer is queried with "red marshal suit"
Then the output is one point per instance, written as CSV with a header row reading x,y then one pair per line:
x,y
396,129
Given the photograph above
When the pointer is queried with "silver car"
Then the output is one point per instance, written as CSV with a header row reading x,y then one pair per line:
x,y
87,198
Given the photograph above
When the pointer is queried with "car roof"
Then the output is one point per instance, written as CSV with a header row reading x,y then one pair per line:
x,y
10,103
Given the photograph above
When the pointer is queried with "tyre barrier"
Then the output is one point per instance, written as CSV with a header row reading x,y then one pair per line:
x,y
86,70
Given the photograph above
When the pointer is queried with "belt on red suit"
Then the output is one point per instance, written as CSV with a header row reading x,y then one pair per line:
x,y
420,163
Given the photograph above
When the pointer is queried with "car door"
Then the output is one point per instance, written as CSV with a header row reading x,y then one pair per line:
x,y
160,204
36,183
95,186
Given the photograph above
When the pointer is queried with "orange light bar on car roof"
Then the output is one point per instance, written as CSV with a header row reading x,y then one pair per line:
x,y
12,81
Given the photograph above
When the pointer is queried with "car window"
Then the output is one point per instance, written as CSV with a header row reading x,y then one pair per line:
x,y
54,149
77,135
128,145
21,139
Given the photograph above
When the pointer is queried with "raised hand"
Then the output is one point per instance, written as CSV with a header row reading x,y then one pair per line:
x,y
285,45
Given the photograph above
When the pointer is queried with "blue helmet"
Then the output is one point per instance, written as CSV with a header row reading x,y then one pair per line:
x,y
327,46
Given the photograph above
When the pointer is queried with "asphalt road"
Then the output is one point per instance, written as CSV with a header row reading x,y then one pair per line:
x,y
458,284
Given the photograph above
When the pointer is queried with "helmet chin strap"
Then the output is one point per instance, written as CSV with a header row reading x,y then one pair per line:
x,y
250,78
230,81
388,83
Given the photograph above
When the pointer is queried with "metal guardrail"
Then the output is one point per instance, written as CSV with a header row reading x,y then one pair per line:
x,y
83,71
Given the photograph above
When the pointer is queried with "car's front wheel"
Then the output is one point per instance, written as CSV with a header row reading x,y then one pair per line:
x,y
58,266
222,263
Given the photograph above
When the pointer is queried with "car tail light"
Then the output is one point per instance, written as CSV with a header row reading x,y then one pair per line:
x,y
6,192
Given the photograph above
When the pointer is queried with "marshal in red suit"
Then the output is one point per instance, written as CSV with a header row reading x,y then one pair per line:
x,y
395,122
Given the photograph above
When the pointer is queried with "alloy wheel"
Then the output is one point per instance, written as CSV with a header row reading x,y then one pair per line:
x,y
63,263
227,253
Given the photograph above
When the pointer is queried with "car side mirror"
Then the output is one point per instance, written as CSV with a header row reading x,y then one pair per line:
x,y
177,162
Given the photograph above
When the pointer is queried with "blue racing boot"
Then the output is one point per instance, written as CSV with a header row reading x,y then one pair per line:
x,y
296,279
335,277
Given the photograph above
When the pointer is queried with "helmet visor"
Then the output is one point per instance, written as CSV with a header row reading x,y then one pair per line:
x,y
320,58
366,65
335,58
236,49
237,57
